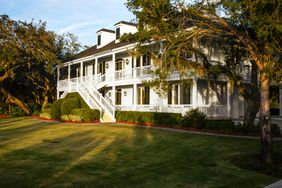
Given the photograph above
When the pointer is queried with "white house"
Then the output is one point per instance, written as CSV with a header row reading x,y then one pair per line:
x,y
109,79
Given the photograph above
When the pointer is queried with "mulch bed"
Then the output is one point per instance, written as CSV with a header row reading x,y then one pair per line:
x,y
4,116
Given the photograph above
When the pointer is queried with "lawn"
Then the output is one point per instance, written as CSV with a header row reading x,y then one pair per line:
x,y
49,154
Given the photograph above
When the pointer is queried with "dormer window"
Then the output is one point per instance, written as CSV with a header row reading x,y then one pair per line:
x,y
99,40
117,33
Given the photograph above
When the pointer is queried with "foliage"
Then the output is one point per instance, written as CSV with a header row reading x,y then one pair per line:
x,y
157,118
68,105
29,54
56,109
70,117
251,28
83,104
87,114
17,112
195,118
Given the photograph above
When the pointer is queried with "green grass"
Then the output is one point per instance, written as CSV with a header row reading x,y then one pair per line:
x,y
44,154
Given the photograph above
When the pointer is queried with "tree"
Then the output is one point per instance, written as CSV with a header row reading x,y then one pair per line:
x,y
28,56
254,26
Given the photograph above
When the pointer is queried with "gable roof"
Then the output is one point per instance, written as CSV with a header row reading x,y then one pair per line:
x,y
106,30
126,23
93,50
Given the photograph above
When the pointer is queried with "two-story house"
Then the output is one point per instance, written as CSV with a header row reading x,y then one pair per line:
x,y
109,79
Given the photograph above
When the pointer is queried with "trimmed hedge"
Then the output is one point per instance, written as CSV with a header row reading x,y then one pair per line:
x,y
193,119
158,118
87,114
56,109
68,105
82,103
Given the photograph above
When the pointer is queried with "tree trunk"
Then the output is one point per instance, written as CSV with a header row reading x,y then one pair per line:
x,y
266,139
45,102
251,112
13,100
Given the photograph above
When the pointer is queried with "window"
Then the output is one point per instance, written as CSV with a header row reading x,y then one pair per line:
x,y
117,33
185,94
179,94
146,60
138,61
119,64
99,40
118,97
173,94
143,95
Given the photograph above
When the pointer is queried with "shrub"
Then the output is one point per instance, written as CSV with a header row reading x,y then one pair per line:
x,y
17,112
158,118
56,109
87,114
194,118
68,105
45,115
74,118
82,103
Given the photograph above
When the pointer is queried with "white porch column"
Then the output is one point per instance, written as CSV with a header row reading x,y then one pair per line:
x,y
81,72
114,95
194,93
58,81
280,100
135,97
228,92
134,67
114,67
96,66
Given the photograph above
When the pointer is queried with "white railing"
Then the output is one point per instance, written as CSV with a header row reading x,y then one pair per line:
x,y
124,74
102,101
143,71
101,80
214,110
209,110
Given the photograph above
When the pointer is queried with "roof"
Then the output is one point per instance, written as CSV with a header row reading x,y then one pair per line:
x,y
126,23
94,50
106,30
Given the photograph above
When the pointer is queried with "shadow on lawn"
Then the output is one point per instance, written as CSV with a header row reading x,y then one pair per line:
x,y
82,158
107,156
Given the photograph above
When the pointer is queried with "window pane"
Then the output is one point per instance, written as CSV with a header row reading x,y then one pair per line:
x,y
117,33
118,97
99,40
147,95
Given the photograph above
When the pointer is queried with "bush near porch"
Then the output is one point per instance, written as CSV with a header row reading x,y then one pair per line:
x,y
71,108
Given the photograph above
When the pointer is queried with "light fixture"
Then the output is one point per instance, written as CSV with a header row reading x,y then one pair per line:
x,y
127,61
109,94
107,65
124,93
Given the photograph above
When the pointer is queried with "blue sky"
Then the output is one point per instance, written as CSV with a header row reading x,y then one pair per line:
x,y
80,17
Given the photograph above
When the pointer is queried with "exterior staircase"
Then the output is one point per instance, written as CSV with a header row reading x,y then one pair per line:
x,y
90,94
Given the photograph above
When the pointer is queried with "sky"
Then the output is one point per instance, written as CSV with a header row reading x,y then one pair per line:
x,y
80,17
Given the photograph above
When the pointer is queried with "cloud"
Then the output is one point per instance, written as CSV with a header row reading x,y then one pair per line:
x,y
73,27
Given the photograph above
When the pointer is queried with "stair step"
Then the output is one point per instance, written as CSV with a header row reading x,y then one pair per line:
x,y
106,118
